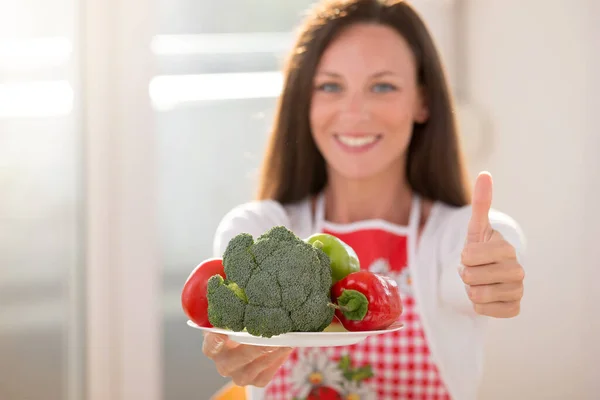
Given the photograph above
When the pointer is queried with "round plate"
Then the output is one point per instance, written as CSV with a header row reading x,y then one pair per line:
x,y
301,339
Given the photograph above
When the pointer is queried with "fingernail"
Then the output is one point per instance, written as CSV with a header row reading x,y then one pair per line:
x,y
218,345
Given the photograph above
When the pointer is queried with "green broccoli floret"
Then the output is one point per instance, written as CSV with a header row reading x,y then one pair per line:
x,y
238,261
285,280
227,304
267,322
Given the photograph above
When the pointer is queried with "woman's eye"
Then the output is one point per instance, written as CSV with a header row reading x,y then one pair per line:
x,y
329,87
384,87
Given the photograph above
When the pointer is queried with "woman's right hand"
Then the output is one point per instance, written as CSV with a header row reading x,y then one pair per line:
x,y
244,364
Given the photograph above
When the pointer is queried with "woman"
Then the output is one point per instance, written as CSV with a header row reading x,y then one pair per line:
x,y
365,147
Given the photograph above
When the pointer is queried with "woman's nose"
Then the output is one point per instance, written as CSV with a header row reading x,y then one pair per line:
x,y
354,106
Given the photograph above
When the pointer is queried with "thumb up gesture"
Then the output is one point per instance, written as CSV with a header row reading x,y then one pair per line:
x,y
490,270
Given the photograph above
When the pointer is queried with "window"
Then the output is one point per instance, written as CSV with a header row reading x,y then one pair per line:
x,y
219,76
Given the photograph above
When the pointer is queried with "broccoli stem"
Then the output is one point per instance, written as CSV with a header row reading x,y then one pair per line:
x,y
353,304
317,244
238,291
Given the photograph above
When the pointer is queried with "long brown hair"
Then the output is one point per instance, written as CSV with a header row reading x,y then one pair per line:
x,y
293,167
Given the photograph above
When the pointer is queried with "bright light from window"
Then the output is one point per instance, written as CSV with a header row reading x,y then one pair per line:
x,y
222,43
37,53
35,99
170,91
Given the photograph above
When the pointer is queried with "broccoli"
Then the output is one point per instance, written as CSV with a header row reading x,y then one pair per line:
x,y
275,284
227,305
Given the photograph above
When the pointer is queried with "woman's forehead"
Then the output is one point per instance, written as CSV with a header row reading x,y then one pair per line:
x,y
367,48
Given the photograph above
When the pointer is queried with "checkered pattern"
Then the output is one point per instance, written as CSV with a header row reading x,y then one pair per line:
x,y
400,361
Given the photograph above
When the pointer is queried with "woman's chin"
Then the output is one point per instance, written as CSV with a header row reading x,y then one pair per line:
x,y
357,171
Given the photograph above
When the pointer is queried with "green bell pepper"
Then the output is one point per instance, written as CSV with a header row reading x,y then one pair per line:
x,y
343,258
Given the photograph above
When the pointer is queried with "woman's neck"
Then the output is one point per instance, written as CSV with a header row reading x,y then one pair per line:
x,y
388,198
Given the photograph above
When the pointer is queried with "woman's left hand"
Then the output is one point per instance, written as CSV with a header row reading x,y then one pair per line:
x,y
490,270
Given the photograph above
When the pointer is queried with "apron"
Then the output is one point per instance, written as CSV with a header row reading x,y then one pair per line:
x,y
391,366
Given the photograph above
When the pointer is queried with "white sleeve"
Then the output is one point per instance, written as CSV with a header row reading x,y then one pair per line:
x,y
254,218
452,288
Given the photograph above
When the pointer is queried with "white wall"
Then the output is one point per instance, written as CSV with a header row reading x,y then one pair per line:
x,y
592,197
530,70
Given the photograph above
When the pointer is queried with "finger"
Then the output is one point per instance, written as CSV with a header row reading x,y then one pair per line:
x,y
254,373
499,292
266,375
504,272
494,251
229,361
499,309
213,344
479,224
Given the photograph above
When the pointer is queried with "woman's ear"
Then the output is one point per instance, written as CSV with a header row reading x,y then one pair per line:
x,y
421,113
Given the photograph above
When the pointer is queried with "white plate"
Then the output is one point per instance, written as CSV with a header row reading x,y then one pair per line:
x,y
301,339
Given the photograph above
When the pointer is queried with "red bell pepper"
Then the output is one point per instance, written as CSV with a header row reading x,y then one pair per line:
x,y
193,295
366,301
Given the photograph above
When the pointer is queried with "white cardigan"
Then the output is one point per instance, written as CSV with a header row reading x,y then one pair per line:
x,y
455,333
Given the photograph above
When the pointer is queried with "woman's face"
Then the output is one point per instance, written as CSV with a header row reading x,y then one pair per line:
x,y
365,100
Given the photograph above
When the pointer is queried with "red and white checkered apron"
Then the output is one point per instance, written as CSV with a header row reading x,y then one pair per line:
x,y
394,366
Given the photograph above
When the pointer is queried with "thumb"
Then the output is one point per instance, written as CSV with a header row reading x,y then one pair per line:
x,y
479,224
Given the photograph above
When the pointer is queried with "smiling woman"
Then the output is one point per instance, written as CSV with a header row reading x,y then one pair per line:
x,y
376,161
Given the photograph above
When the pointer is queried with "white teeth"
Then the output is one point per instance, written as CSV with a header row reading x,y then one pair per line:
x,y
357,141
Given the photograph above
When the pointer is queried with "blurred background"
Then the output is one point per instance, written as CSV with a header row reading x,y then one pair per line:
x,y
128,129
